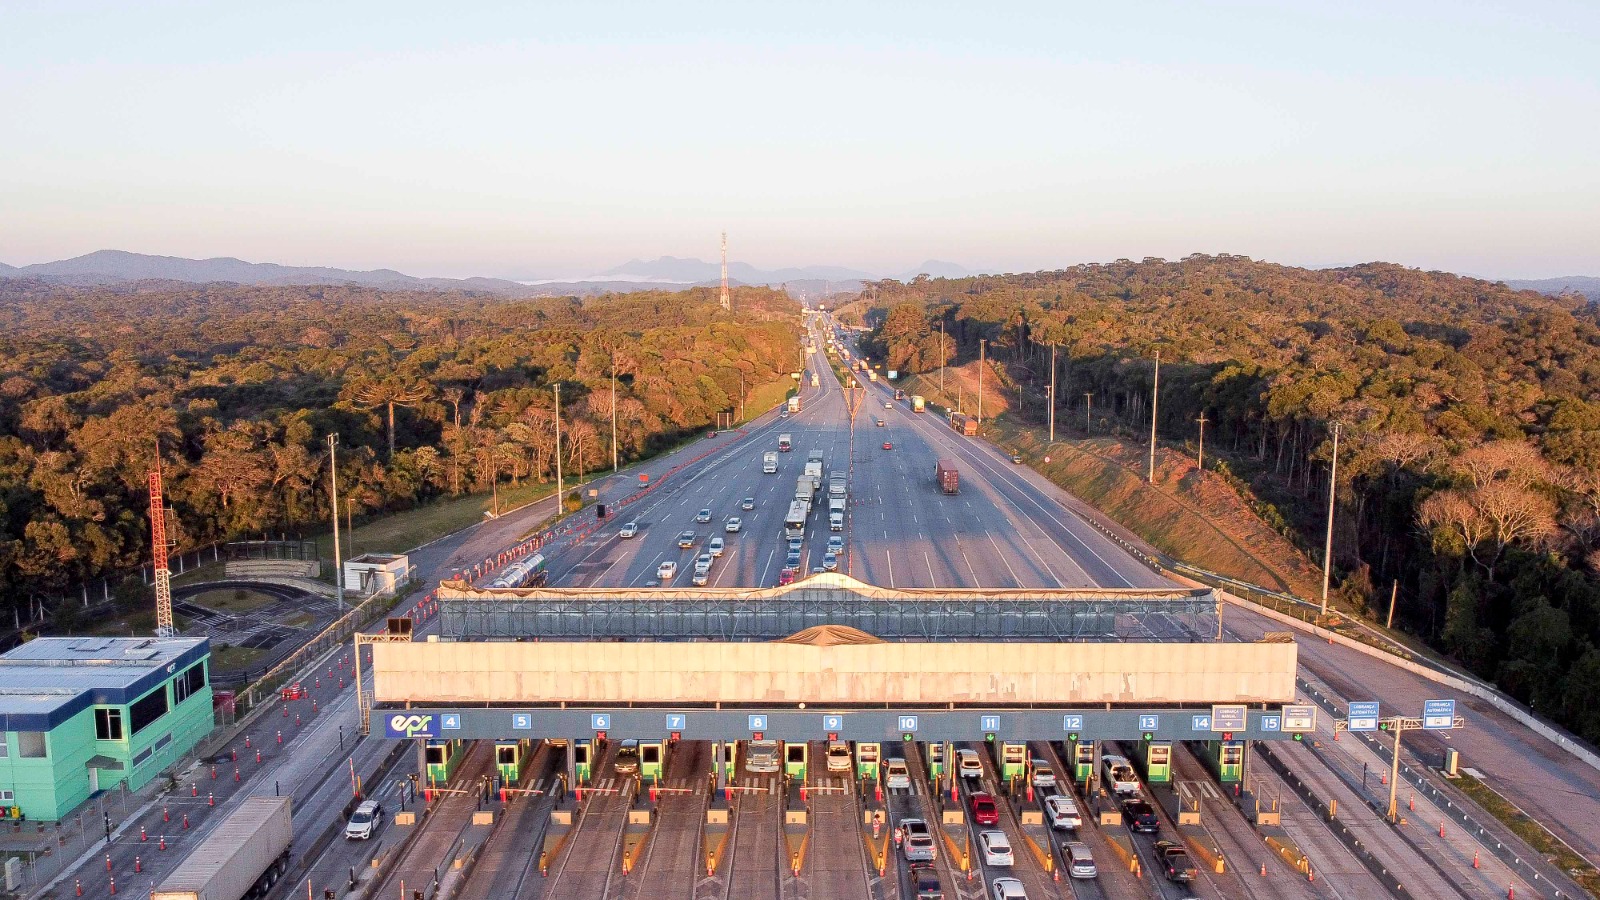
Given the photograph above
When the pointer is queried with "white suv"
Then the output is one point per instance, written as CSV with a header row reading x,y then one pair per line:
x,y
363,822
667,571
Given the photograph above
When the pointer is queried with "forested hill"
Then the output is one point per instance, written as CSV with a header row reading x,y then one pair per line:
x,y
1469,463
242,385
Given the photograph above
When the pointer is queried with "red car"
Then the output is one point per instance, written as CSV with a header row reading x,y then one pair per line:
x,y
984,812
887,445
786,577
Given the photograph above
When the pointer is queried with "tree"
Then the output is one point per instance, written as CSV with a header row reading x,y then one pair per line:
x,y
389,392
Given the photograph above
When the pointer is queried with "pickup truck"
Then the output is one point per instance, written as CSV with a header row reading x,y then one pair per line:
x,y
1175,863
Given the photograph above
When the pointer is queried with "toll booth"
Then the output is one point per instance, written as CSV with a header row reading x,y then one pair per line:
x,y
1156,759
936,758
1083,761
727,758
652,760
1226,760
511,759
442,758
867,755
582,761
1013,761
794,760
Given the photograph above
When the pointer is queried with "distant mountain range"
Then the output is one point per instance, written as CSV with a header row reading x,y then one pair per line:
x,y
1587,285
117,266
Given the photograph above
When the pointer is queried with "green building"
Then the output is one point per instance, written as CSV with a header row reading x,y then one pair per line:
x,y
81,715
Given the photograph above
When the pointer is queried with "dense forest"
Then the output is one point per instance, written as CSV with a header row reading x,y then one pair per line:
x,y
431,395
1469,453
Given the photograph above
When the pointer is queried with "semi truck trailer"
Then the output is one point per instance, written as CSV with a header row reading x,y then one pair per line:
x,y
947,476
242,858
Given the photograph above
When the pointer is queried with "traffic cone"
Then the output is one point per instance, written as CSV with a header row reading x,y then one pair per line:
x,y
211,799
1263,870
138,865
236,774
163,844
78,884
185,821
113,884
165,816
1474,859
142,836
258,756
108,862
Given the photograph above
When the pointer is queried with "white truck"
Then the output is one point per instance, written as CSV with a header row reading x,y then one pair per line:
x,y
813,471
804,489
769,462
836,485
242,857
785,443
836,513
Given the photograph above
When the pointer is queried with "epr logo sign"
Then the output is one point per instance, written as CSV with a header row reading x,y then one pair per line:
x,y
409,725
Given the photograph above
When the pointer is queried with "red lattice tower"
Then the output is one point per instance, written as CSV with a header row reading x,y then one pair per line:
x,y
158,548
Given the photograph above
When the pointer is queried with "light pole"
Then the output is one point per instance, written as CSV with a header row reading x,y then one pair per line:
x,y
1088,404
1200,458
613,411
1327,550
333,482
1052,397
560,503
1155,400
982,342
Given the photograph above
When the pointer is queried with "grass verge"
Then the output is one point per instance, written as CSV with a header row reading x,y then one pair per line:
x,y
766,396
234,600
234,659
1526,827
405,530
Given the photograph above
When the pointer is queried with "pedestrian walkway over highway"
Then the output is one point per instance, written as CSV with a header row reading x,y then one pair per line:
x,y
765,614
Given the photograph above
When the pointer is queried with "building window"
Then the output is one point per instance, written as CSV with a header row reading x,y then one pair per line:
x,y
145,711
189,683
30,744
162,744
7,797
141,757
5,748
107,723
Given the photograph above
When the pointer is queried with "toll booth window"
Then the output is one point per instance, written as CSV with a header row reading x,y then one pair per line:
x,y
506,756
1232,755
435,756
652,754
796,752
1159,754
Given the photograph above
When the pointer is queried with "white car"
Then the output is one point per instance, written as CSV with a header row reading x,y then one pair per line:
x,y
703,515
996,849
835,544
733,526
1009,889
1062,811
888,404
895,774
747,504
703,561
1043,775
363,822
667,571
968,764
716,547
628,530
838,756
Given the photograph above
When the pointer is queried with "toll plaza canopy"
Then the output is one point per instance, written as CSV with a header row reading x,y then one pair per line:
x,y
766,614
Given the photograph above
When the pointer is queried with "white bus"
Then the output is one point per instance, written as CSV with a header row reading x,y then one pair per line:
x,y
794,524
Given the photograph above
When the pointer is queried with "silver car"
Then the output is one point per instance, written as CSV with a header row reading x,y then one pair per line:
x,y
895,774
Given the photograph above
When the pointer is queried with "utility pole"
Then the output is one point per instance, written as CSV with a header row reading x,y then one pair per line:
x,y
741,395
1327,551
1088,404
1200,458
1394,594
350,525
1155,400
613,410
333,482
1052,397
560,503
982,342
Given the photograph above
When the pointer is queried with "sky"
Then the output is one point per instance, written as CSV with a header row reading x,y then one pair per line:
x,y
549,140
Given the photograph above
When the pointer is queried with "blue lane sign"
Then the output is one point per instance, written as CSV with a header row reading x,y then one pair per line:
x,y
450,721
1363,716
908,723
1072,723
1200,723
758,723
1149,723
677,721
1271,723
600,721
988,723
1229,717
1438,715
521,721
1299,717
833,723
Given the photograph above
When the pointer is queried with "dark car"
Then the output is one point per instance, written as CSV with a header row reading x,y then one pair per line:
x,y
984,812
1140,816
1175,862
925,881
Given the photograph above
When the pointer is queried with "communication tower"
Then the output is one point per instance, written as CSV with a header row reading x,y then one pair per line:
x,y
158,547
727,305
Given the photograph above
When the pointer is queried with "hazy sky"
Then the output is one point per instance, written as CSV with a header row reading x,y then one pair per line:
x,y
521,139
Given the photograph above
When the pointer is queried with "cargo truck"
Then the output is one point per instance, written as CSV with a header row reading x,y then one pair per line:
x,y
242,857
836,514
813,471
963,424
918,404
815,382
769,463
804,489
836,485
872,375
794,404
784,443
947,476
